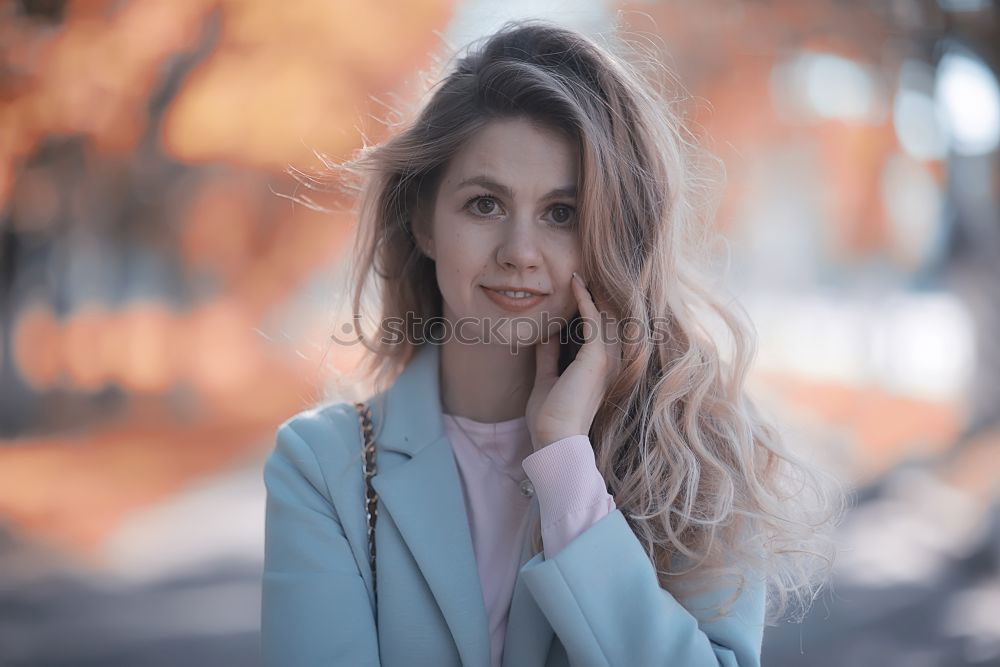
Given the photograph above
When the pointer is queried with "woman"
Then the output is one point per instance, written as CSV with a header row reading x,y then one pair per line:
x,y
549,493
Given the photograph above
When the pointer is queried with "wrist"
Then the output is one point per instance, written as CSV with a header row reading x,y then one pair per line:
x,y
544,440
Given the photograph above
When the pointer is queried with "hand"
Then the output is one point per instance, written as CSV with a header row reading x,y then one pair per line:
x,y
563,405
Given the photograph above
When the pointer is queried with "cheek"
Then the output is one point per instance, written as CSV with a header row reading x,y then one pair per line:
x,y
458,277
467,256
460,246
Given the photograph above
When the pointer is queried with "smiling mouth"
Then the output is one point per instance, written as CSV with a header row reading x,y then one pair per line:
x,y
514,299
516,292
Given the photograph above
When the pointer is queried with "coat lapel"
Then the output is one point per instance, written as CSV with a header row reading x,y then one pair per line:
x,y
424,498
529,633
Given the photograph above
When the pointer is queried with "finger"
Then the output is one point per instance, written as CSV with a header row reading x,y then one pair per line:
x,y
546,360
584,299
589,314
616,362
614,348
591,308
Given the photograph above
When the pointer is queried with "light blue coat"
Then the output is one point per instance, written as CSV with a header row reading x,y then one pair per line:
x,y
597,602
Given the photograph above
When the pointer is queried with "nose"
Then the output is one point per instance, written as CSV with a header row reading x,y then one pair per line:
x,y
519,248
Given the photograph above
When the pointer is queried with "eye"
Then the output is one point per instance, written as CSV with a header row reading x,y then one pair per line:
x,y
563,214
483,205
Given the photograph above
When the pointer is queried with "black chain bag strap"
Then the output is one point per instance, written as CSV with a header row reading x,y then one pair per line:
x,y
371,498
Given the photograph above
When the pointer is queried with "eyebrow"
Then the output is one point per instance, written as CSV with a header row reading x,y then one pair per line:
x,y
490,184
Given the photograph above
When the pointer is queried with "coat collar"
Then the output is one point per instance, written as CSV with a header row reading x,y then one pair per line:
x,y
424,497
408,415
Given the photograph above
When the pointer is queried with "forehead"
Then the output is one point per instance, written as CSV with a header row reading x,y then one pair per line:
x,y
517,152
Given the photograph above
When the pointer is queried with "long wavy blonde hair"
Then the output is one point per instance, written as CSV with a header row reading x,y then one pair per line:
x,y
703,480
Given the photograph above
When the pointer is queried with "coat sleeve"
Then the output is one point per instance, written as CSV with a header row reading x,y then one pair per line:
x,y
315,608
601,595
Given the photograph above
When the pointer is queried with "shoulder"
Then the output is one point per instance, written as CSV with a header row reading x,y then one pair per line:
x,y
315,493
322,442
322,424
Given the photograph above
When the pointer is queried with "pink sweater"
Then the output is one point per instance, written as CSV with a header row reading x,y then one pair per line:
x,y
498,472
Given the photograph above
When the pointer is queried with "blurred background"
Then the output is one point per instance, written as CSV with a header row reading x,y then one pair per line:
x,y
165,305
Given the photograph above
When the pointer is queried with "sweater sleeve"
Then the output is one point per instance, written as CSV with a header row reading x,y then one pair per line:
x,y
572,495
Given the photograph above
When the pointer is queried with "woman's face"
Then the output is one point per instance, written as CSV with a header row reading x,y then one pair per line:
x,y
505,218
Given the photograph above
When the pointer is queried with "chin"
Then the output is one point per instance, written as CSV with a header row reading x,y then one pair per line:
x,y
528,334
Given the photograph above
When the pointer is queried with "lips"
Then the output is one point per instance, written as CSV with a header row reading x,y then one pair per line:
x,y
508,288
514,304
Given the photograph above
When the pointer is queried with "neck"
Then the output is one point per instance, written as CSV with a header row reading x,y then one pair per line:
x,y
487,383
